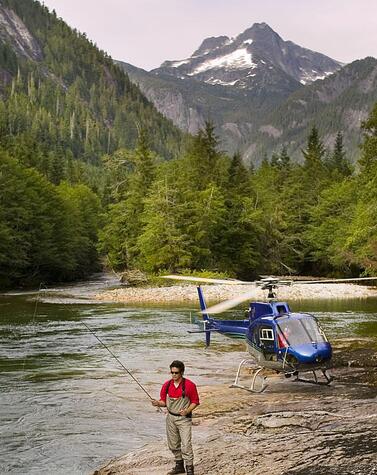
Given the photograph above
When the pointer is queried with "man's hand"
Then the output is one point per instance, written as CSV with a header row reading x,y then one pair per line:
x,y
184,412
155,403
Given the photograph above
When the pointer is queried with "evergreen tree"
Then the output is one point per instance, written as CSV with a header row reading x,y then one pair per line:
x,y
47,233
165,241
201,162
315,150
360,248
369,146
328,229
337,162
120,236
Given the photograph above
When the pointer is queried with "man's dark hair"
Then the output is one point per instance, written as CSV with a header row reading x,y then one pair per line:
x,y
179,365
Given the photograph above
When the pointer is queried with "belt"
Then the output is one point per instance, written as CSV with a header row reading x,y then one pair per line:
x,y
179,415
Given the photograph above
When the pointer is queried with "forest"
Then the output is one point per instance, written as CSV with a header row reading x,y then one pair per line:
x,y
206,211
91,175
201,211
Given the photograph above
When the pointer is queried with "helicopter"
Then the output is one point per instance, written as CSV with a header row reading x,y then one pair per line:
x,y
277,339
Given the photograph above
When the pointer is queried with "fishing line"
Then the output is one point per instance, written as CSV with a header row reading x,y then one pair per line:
x,y
34,317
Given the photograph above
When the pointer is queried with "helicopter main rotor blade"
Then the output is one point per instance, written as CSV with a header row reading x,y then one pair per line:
x,y
330,281
205,279
228,304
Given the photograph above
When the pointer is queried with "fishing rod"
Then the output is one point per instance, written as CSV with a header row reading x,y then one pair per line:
x,y
118,360
108,349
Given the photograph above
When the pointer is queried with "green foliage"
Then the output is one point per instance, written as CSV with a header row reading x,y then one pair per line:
x,y
74,97
64,105
369,147
315,151
206,210
135,170
326,235
163,243
183,218
47,232
337,163
75,133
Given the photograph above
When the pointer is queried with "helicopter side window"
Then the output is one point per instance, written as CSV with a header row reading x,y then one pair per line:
x,y
267,339
281,309
267,334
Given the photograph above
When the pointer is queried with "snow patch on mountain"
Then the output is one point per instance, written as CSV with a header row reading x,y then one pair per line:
x,y
176,64
238,59
307,78
257,58
215,81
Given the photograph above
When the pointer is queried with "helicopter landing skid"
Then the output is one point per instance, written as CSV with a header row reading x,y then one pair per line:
x,y
328,378
254,374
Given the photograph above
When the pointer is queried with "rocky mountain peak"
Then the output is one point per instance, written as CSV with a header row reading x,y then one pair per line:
x,y
210,44
256,56
259,30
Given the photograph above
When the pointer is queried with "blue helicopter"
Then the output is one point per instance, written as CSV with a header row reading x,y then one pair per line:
x,y
276,338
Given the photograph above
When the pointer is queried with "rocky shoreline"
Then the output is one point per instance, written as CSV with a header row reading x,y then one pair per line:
x,y
293,428
215,293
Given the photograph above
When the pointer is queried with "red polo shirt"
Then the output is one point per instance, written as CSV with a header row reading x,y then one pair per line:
x,y
190,391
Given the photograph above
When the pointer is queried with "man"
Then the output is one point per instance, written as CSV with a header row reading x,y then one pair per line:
x,y
180,396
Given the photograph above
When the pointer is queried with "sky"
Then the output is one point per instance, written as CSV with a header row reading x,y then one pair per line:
x,y
147,32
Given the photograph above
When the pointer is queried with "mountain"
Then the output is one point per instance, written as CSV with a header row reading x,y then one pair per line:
x,y
255,85
256,58
234,82
340,102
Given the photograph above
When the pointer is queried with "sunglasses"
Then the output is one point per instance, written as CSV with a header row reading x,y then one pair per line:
x,y
175,372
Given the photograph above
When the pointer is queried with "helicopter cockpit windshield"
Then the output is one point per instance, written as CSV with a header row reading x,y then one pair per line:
x,y
301,331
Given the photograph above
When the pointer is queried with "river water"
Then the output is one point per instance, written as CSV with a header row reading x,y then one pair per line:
x,y
67,406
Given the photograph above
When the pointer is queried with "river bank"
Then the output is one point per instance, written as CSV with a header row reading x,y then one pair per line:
x,y
291,429
215,293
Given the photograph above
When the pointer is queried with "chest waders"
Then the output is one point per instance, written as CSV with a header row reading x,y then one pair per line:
x,y
174,405
178,428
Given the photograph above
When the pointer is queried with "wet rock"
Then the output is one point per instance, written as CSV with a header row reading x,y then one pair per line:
x,y
133,277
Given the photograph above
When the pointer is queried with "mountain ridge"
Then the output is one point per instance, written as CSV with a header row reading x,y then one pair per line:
x,y
67,80
221,60
248,100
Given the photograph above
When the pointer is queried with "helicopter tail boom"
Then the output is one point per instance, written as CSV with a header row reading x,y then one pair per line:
x,y
203,308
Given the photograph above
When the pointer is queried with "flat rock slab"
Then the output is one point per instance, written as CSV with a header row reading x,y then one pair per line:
x,y
292,428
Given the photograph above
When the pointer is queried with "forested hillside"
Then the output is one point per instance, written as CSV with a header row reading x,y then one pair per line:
x,y
66,93
91,172
63,106
205,210
340,102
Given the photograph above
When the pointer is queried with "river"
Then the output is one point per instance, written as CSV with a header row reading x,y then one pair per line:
x,y
67,406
